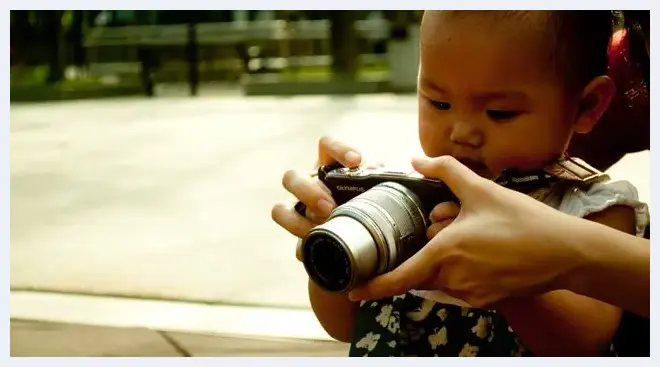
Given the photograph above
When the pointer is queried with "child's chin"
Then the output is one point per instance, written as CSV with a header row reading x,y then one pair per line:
x,y
483,172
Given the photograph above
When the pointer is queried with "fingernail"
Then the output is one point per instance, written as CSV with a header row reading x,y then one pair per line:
x,y
352,157
433,217
325,207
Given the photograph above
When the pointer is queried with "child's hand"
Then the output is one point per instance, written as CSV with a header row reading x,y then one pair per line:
x,y
311,192
441,216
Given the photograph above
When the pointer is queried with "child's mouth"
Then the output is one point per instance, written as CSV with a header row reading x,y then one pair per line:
x,y
476,166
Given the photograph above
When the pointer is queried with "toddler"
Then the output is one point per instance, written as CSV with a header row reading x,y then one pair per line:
x,y
499,90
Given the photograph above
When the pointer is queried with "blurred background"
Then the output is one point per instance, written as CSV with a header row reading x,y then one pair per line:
x,y
147,149
125,52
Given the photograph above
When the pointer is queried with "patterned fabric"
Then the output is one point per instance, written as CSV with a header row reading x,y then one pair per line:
x,y
408,326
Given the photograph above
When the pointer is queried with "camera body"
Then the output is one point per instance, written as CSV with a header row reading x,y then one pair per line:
x,y
347,183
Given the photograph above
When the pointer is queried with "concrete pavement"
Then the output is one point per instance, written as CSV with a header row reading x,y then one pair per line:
x,y
171,316
171,197
39,339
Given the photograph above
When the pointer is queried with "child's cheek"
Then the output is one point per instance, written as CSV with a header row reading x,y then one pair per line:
x,y
431,142
433,136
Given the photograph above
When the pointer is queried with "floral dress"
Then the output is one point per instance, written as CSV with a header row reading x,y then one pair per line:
x,y
408,325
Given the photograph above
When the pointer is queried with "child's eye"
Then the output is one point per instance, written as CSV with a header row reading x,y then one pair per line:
x,y
502,115
439,105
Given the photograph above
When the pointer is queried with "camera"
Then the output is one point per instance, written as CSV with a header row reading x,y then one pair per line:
x,y
382,216
380,221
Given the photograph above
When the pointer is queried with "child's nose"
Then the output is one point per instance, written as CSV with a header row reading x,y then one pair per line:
x,y
467,133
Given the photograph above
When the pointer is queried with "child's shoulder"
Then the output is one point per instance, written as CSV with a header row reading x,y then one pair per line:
x,y
583,201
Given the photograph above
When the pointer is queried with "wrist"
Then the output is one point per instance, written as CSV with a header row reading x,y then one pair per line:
x,y
577,238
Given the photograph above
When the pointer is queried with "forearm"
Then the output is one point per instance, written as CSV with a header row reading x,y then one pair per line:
x,y
618,272
566,323
335,312
562,323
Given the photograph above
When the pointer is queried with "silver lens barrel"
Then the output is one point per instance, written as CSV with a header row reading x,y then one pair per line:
x,y
369,235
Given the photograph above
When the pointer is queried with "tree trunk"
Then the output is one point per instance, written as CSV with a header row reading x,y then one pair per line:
x,y
192,51
76,38
53,37
22,35
343,44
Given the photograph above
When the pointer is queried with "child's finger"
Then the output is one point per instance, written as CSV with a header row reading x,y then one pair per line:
x,y
436,227
444,211
290,220
309,192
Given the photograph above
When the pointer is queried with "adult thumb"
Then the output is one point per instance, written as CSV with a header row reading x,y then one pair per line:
x,y
460,179
409,275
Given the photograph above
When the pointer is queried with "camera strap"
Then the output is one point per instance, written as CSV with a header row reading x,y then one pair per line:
x,y
566,169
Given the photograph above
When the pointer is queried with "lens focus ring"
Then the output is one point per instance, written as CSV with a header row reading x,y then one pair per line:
x,y
377,229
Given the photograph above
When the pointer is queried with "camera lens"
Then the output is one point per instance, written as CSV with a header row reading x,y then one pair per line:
x,y
369,235
328,262
339,253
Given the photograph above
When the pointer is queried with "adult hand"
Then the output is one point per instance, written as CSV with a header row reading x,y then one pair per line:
x,y
311,192
501,243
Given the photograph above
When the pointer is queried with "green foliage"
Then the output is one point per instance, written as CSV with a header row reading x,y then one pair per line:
x,y
618,19
67,19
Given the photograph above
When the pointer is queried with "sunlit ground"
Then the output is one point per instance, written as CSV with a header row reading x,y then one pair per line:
x,y
171,197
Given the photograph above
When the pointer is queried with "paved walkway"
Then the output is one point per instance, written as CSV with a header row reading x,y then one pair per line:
x,y
40,339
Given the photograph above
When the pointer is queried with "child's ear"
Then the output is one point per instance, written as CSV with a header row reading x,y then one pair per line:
x,y
594,101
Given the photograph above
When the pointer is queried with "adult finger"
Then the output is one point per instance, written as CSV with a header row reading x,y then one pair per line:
x,y
409,275
331,150
444,211
309,192
460,179
288,219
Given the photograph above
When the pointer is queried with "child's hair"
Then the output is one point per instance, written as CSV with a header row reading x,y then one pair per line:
x,y
637,23
583,38
578,39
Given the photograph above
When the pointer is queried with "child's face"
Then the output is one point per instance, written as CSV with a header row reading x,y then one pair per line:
x,y
487,95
